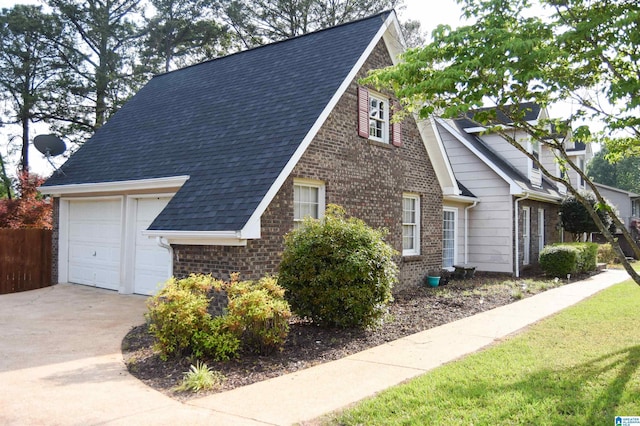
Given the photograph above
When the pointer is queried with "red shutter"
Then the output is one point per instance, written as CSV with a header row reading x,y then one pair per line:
x,y
396,128
363,112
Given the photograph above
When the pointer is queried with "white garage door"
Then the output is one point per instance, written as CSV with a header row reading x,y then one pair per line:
x,y
152,262
95,230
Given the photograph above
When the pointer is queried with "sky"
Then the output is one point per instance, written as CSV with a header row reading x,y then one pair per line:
x,y
430,13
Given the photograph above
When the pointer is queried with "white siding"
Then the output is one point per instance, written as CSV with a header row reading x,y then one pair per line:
x,y
490,222
510,153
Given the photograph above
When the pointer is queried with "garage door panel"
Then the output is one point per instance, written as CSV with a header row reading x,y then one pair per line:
x,y
95,243
152,262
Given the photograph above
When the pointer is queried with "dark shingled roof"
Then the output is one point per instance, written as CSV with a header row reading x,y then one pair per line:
x,y
232,124
531,112
464,191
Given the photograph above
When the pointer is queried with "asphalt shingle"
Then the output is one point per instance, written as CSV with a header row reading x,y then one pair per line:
x,y
231,123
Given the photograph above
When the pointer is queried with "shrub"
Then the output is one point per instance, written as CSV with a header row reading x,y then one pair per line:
x,y
606,254
178,318
568,258
559,260
258,314
587,256
215,341
338,272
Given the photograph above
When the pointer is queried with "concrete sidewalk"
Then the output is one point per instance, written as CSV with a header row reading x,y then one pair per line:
x,y
60,362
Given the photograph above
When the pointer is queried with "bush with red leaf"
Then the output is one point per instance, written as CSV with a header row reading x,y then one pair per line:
x,y
30,210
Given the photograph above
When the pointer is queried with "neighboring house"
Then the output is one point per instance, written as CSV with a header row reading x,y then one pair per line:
x,y
206,168
512,209
628,206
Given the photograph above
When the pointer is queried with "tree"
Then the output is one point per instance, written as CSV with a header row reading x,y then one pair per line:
x,y
584,51
99,59
576,218
260,21
29,65
623,173
180,33
29,210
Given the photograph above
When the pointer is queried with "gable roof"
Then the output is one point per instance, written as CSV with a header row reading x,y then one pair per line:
x,y
232,125
517,182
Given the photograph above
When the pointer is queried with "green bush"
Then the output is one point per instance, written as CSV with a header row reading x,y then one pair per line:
x,y
587,256
257,317
606,254
338,272
559,260
215,341
568,258
180,323
258,314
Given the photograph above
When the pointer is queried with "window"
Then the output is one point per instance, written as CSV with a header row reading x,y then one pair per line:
x,y
535,150
541,227
378,119
526,235
449,237
410,225
374,118
635,208
308,200
581,167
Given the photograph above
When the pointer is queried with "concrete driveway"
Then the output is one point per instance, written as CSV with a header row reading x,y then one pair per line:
x,y
60,363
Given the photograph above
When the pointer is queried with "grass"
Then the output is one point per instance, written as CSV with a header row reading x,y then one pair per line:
x,y
580,367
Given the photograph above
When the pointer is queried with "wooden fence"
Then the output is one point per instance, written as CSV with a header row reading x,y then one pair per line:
x,y
25,259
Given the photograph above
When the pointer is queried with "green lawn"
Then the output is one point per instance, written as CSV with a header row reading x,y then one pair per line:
x,y
580,367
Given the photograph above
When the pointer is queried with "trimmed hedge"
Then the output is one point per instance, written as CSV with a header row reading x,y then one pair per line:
x,y
569,258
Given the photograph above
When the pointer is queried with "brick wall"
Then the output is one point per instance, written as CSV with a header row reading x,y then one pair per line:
x,y
366,178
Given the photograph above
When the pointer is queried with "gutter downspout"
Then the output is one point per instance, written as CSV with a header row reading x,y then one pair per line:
x,y
518,233
466,231
165,244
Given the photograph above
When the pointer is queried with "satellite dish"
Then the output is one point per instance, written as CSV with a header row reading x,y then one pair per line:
x,y
50,146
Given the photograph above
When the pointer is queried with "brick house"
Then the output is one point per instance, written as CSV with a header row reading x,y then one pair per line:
x,y
206,168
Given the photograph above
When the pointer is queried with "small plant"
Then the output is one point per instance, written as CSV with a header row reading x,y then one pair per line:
x,y
200,378
559,260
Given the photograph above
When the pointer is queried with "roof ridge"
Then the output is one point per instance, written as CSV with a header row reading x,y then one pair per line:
x,y
262,46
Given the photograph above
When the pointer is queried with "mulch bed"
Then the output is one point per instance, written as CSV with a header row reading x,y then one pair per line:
x,y
413,310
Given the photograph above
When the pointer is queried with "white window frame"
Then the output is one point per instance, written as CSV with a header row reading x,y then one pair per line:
x,y
314,184
526,235
415,251
581,164
374,97
541,226
455,235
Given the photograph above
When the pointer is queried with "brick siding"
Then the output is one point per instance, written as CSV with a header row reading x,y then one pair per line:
x,y
366,178
55,240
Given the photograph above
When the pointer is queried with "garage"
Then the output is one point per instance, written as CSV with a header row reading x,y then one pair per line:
x,y
95,242
105,246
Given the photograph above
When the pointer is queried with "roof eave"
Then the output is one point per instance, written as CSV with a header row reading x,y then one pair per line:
x,y
172,182
202,238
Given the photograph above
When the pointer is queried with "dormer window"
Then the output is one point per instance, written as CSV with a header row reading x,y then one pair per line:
x,y
535,176
535,151
375,118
